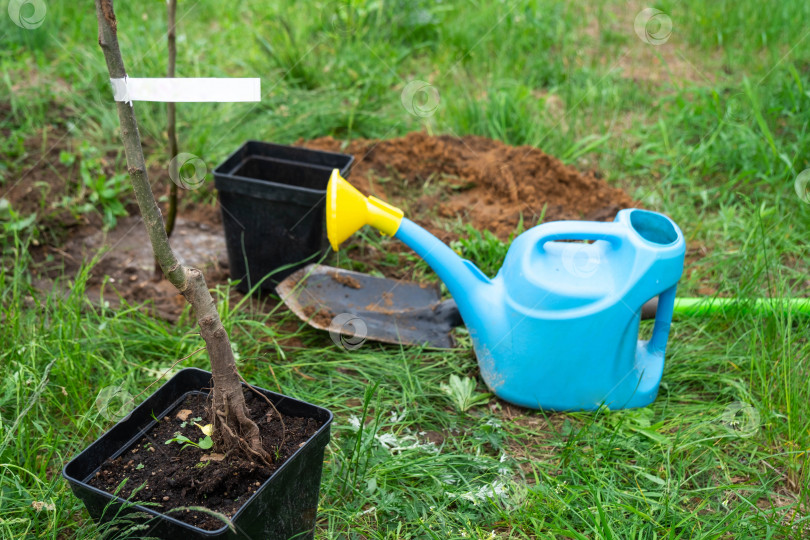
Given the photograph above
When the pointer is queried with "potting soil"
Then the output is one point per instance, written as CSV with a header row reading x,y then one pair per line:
x,y
176,477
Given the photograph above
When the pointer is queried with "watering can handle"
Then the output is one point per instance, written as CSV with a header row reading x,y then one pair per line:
x,y
663,320
613,232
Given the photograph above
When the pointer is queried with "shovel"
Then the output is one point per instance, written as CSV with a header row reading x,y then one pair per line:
x,y
381,309
403,312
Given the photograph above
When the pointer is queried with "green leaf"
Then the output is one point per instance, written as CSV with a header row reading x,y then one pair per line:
x,y
20,224
651,434
653,478
66,158
180,439
462,393
206,443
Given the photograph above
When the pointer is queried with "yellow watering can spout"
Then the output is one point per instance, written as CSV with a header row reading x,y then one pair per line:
x,y
347,210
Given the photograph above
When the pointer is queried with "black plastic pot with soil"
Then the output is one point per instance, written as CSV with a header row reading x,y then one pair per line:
x,y
273,209
141,473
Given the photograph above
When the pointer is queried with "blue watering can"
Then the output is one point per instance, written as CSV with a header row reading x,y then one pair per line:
x,y
557,328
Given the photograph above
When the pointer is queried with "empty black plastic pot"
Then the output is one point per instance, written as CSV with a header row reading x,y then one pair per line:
x,y
284,506
273,201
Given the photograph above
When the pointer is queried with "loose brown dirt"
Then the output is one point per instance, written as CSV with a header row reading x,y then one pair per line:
x,y
192,477
346,280
321,316
483,182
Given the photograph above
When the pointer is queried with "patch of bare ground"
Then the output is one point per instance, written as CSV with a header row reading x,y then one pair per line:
x,y
533,432
125,264
39,182
664,58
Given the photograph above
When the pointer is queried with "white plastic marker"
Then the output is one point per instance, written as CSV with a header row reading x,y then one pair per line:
x,y
179,90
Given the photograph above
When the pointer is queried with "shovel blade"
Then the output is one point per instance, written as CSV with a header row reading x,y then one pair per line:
x,y
380,309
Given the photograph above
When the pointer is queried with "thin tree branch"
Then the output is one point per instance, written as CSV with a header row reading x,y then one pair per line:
x,y
171,113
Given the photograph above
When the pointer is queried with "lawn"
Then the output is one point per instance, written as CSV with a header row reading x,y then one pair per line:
x,y
705,117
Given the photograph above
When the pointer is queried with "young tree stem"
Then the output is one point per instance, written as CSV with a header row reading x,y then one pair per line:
x,y
232,425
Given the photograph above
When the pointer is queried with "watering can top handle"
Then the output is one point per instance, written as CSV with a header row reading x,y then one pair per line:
x,y
581,230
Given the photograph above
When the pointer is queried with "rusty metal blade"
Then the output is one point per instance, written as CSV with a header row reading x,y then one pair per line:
x,y
392,311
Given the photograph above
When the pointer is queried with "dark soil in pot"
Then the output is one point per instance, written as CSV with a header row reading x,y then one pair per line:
x,y
169,476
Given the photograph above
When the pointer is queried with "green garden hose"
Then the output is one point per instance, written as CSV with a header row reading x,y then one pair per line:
x,y
687,307
706,306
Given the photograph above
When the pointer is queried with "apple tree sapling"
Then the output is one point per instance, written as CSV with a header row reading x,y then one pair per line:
x,y
232,427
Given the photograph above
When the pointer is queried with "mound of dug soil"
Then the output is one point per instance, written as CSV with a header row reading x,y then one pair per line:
x,y
488,183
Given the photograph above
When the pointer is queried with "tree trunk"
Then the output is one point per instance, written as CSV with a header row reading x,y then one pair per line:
x,y
232,425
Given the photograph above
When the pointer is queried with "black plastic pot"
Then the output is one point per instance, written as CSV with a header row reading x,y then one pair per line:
x,y
283,507
273,201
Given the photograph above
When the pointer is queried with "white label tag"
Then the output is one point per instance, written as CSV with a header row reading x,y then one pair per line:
x,y
179,90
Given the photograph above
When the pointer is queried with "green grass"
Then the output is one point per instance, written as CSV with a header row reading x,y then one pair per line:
x,y
710,128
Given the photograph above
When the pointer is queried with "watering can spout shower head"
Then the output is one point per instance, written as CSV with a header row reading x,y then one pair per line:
x,y
347,210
